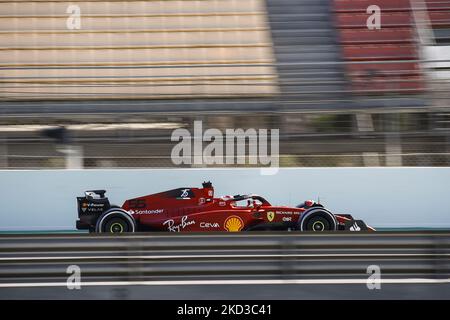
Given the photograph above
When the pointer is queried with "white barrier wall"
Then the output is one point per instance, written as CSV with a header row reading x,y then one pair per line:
x,y
383,197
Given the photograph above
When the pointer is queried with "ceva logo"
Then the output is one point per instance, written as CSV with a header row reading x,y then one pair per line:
x,y
209,225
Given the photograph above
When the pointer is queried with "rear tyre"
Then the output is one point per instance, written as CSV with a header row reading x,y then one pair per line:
x,y
317,220
116,225
116,221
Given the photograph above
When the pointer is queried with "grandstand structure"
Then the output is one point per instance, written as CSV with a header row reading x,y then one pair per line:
x,y
390,54
121,75
135,49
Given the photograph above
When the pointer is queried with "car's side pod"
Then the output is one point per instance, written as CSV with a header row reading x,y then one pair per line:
x,y
115,213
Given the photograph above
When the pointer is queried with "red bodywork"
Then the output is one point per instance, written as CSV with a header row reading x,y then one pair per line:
x,y
196,209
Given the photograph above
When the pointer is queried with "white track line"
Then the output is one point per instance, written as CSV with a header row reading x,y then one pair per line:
x,y
312,255
227,282
205,234
219,234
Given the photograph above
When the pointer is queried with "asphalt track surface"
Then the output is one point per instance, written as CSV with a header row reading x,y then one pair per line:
x,y
433,291
223,266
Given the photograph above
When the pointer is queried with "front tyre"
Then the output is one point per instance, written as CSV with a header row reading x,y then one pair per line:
x,y
317,220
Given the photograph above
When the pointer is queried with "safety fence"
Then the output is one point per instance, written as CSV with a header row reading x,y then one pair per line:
x,y
223,256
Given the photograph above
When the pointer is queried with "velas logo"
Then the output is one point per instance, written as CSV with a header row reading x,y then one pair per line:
x,y
233,224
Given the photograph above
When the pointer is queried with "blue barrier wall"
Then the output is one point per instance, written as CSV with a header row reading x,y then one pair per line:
x,y
383,197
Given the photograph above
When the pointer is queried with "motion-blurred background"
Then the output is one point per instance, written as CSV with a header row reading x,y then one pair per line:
x,y
340,93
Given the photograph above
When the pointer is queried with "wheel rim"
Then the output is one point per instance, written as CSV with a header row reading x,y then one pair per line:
x,y
116,228
318,226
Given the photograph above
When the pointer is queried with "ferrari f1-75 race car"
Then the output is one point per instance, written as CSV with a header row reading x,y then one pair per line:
x,y
196,209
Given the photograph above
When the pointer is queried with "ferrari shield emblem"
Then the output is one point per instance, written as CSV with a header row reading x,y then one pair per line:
x,y
270,216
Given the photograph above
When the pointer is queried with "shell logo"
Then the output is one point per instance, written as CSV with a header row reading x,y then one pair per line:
x,y
233,224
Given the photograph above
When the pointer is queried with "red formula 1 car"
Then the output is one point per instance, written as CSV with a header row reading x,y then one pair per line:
x,y
196,209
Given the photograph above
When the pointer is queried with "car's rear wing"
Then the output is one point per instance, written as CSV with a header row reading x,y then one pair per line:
x,y
90,207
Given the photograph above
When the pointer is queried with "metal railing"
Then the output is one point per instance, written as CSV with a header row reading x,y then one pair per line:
x,y
222,256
